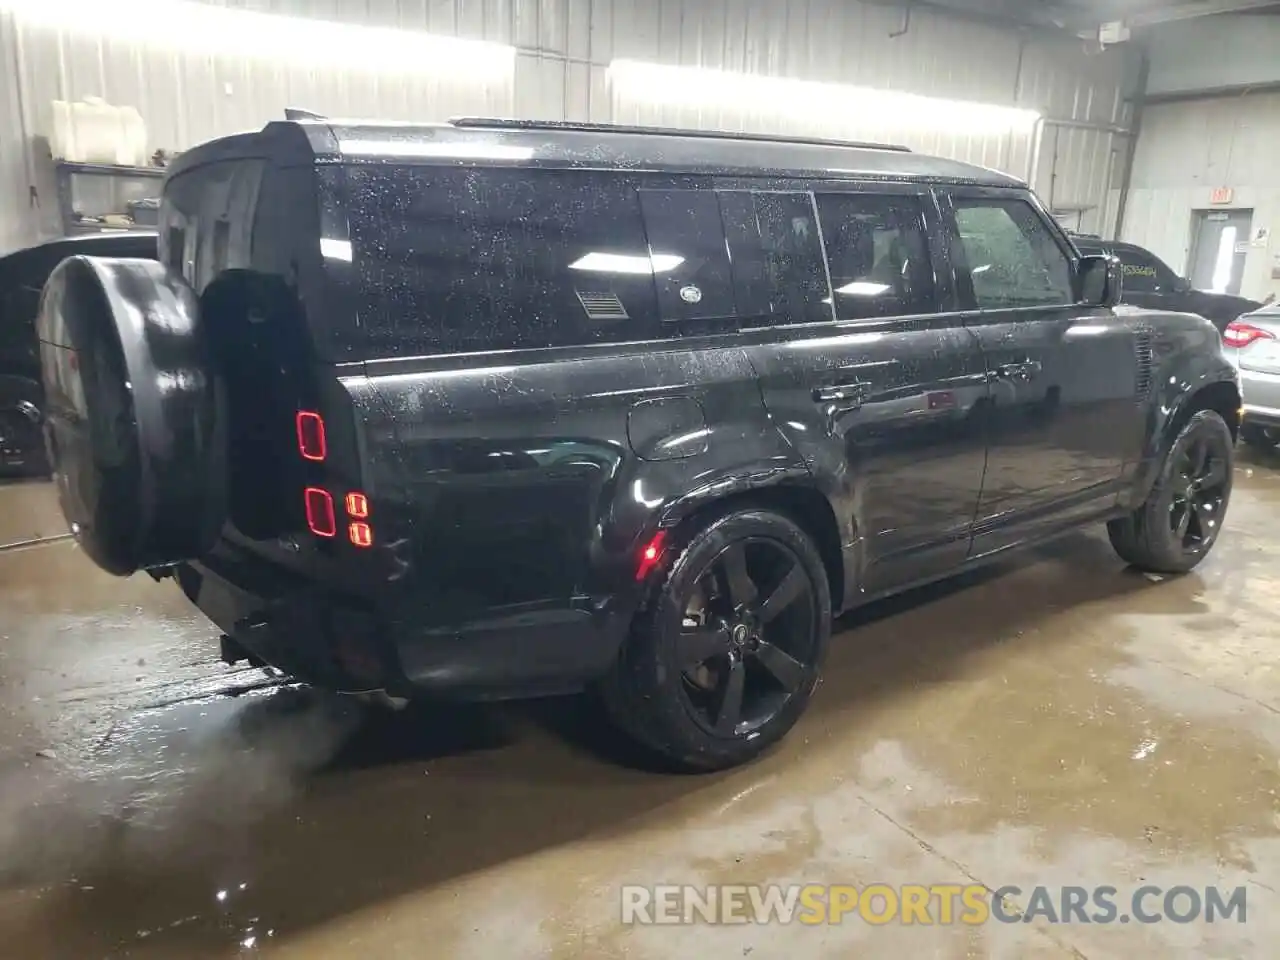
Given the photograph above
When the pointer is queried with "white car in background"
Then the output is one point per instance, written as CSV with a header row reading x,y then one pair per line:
x,y
1252,342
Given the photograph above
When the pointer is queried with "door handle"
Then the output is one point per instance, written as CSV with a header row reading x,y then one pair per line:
x,y
849,395
1023,371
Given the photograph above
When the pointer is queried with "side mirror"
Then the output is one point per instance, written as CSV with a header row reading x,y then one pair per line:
x,y
1101,280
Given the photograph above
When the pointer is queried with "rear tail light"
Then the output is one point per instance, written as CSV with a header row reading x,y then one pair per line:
x,y
651,555
1241,334
320,518
311,442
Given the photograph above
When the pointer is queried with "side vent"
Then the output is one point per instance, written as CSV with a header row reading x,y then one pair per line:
x,y
1146,361
603,306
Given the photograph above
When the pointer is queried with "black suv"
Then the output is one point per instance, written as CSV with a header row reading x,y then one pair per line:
x,y
1148,282
493,408
22,276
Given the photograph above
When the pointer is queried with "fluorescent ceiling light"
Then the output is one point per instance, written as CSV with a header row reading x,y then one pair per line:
x,y
446,149
624,263
828,104
208,29
863,288
332,249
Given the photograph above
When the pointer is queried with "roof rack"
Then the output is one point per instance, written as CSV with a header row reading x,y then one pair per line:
x,y
498,123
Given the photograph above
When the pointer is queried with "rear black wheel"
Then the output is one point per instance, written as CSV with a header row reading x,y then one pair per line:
x,y
723,660
1182,517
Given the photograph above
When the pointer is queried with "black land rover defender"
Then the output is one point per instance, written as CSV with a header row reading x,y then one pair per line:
x,y
494,408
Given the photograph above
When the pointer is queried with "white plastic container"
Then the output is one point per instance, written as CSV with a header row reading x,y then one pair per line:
x,y
93,131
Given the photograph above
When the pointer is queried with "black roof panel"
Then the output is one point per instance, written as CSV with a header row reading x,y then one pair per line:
x,y
634,148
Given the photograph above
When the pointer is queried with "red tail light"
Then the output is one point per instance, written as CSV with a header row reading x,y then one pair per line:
x,y
360,533
357,505
651,555
320,519
1241,334
311,443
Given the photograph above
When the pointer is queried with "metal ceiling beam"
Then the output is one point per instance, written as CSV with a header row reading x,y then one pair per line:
x,y
1034,15
1083,16
1189,10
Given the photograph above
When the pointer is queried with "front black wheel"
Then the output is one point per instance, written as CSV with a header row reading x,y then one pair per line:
x,y
1182,517
726,654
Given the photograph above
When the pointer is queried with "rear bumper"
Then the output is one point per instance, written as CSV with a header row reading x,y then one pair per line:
x,y
1261,396
350,644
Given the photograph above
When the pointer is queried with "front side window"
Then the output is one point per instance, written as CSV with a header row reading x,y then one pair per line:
x,y
878,254
1007,258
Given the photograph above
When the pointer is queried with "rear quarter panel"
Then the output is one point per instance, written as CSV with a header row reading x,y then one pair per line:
x,y
526,485
1187,357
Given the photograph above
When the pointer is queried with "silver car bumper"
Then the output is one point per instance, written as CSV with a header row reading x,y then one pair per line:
x,y
1261,395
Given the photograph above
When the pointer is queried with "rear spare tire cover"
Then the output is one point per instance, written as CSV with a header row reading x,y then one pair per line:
x,y
134,421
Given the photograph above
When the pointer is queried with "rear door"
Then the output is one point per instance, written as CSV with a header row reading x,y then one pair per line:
x,y
865,374
1064,415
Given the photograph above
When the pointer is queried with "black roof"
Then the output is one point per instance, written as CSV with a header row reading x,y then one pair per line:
x,y
1088,242
529,143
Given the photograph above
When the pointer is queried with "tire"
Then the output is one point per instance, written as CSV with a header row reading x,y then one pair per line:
x,y
1182,517
1258,437
134,419
769,647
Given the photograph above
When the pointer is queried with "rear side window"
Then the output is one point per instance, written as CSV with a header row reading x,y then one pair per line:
x,y
878,253
1007,258
688,255
776,250
455,260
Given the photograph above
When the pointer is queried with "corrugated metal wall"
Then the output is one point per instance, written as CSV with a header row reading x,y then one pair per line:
x,y
1186,150
561,72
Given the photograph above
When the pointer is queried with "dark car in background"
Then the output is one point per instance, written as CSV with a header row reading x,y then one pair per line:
x,y
1149,282
22,277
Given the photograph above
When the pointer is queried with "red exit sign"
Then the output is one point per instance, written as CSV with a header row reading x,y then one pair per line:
x,y
1222,195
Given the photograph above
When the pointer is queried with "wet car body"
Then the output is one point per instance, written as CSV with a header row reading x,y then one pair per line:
x,y
455,410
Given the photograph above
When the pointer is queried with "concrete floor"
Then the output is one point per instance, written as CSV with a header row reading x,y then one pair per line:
x,y
1057,720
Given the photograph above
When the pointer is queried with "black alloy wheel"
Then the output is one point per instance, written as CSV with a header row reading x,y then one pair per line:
x,y
1181,519
726,649
1200,493
747,638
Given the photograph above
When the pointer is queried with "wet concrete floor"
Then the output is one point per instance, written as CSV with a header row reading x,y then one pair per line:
x,y
1057,720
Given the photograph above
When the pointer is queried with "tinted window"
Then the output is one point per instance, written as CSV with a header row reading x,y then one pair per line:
x,y
478,259
778,274
878,253
689,258
1007,257
1143,272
